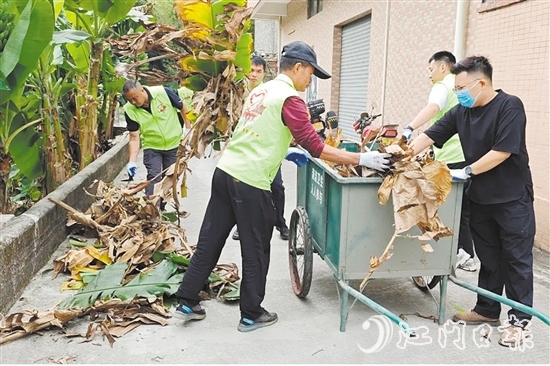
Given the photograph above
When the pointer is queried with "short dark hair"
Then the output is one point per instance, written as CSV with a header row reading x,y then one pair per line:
x,y
288,63
444,56
257,60
474,64
130,85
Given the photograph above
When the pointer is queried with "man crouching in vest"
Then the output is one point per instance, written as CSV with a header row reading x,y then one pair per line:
x,y
154,116
273,114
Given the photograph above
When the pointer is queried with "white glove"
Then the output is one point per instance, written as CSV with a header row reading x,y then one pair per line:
x,y
459,174
131,169
375,160
407,132
186,131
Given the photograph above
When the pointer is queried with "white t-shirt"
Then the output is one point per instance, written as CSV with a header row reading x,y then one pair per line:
x,y
438,95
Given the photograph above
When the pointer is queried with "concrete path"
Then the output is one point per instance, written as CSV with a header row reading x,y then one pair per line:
x,y
307,331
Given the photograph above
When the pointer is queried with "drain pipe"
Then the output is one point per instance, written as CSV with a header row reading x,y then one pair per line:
x,y
460,28
385,66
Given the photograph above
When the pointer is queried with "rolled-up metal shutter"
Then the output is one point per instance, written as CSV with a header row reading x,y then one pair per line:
x,y
354,74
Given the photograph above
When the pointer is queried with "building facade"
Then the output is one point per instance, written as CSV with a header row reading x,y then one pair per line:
x,y
378,51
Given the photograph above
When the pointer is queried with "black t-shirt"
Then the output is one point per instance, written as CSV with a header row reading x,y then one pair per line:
x,y
499,126
132,125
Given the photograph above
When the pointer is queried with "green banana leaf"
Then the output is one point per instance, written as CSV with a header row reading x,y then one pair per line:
x,y
111,82
80,52
32,33
232,295
26,147
69,36
162,280
110,10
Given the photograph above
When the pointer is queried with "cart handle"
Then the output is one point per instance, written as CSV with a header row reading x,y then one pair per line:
x,y
511,303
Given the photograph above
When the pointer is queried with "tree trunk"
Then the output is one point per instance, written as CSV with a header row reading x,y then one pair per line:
x,y
5,163
58,166
87,105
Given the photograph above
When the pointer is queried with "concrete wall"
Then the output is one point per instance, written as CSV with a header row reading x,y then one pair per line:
x,y
514,37
29,240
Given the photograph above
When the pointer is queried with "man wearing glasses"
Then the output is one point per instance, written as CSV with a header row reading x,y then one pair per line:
x,y
491,126
440,101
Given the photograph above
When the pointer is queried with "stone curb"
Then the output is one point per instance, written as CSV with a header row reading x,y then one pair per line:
x,y
28,241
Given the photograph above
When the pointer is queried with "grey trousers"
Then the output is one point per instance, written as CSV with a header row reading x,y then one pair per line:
x,y
156,161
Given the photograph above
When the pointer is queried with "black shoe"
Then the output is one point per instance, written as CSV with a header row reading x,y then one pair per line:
x,y
185,312
235,235
284,233
266,319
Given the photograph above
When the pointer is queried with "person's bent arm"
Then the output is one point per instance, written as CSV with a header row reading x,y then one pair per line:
x,y
420,143
133,146
425,115
489,161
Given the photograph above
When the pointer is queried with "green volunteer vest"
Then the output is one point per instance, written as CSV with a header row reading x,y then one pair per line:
x,y
160,129
260,140
451,152
186,96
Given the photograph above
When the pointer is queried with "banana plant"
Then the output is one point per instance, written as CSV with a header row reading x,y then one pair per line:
x,y
217,65
94,17
52,82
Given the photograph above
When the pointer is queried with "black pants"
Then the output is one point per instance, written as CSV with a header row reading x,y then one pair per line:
x,y
156,161
504,237
465,240
233,202
278,191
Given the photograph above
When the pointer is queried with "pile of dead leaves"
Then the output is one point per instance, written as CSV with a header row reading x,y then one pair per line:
x,y
127,257
112,318
125,234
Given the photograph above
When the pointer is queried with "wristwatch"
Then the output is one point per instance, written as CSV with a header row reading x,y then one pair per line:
x,y
468,170
408,127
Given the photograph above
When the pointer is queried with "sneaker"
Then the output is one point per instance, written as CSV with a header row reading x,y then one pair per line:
x,y
513,336
473,318
461,257
235,235
468,266
266,319
284,233
185,312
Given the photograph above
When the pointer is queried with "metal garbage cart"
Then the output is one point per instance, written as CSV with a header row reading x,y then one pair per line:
x,y
342,221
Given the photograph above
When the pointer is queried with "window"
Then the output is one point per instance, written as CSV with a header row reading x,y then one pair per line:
x,y
311,91
488,5
313,7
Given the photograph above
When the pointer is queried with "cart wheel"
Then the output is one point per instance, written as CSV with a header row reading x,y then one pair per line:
x,y
426,282
300,252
